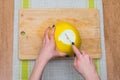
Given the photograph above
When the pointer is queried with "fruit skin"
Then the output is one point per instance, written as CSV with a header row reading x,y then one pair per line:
x,y
67,48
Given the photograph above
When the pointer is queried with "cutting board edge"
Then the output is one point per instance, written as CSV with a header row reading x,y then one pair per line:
x,y
24,57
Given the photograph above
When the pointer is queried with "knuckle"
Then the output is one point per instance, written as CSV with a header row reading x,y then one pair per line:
x,y
86,55
79,57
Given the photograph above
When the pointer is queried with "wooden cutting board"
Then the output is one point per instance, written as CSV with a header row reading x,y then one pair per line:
x,y
33,22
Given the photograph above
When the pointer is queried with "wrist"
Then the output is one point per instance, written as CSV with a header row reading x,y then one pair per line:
x,y
42,56
92,77
41,59
39,66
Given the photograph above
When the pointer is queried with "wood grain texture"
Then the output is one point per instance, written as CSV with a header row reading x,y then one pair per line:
x,y
112,38
6,39
34,22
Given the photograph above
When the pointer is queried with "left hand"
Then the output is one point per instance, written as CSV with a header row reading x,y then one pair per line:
x,y
49,50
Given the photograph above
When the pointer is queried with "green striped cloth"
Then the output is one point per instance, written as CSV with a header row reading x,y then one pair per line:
x,y
22,69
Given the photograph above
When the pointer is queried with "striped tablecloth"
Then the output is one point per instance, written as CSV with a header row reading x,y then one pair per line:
x,y
57,69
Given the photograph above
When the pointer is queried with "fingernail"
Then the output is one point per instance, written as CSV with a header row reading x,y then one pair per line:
x,y
74,55
53,26
66,55
72,43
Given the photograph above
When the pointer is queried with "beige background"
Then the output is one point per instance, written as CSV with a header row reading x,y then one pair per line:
x,y
112,38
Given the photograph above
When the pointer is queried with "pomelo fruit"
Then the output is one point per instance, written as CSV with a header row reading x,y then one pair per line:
x,y
65,34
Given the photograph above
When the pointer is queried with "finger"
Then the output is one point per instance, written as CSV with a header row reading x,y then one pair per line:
x,y
46,38
43,43
75,62
75,59
62,54
76,51
52,33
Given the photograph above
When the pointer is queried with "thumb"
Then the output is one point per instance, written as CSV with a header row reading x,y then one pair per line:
x,y
62,54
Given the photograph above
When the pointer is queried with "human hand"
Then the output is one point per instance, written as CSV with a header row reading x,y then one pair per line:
x,y
84,64
49,50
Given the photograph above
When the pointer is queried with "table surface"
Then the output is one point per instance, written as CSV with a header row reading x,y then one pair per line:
x,y
112,38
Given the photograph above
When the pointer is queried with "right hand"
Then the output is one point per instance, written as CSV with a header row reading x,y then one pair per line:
x,y
84,64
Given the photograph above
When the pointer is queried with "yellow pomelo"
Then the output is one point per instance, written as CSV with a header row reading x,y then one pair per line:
x,y
65,33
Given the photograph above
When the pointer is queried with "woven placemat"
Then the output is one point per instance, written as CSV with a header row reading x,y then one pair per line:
x,y
55,69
